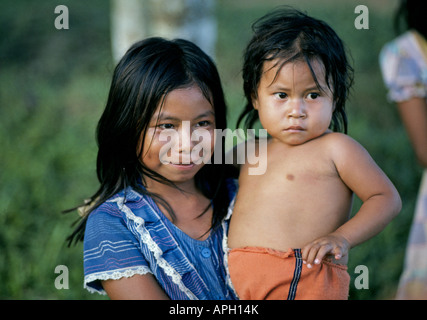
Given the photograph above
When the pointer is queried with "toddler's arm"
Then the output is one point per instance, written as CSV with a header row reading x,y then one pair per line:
x,y
381,201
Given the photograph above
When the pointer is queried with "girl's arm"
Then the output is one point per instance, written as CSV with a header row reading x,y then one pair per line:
x,y
381,201
414,117
137,287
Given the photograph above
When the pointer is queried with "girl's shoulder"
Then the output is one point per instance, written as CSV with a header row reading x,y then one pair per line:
x,y
121,204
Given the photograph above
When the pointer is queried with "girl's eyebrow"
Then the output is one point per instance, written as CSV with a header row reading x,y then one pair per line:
x,y
165,116
206,114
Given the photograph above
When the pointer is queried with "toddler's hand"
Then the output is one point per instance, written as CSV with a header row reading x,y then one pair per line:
x,y
332,244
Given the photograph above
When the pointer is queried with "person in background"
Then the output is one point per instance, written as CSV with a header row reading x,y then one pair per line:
x,y
403,64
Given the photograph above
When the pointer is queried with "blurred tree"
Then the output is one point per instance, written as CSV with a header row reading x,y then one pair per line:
x,y
133,20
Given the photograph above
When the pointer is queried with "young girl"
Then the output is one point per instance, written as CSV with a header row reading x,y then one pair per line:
x,y
291,240
155,228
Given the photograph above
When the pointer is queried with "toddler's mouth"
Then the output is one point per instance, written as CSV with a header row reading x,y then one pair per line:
x,y
294,129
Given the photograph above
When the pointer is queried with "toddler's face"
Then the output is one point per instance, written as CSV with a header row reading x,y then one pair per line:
x,y
180,137
290,105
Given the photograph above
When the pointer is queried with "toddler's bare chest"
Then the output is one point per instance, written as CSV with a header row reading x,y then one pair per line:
x,y
297,169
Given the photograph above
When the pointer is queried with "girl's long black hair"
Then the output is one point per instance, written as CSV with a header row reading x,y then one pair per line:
x,y
148,71
290,35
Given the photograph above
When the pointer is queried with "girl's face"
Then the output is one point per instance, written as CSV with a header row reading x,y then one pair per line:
x,y
180,137
290,105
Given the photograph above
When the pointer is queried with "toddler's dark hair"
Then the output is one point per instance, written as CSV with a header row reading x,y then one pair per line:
x,y
290,35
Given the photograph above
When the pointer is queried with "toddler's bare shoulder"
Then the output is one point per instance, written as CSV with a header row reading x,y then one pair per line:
x,y
340,140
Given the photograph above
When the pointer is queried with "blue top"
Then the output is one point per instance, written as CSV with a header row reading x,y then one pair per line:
x,y
129,235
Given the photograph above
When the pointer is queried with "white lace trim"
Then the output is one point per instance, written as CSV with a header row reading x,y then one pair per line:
x,y
113,275
154,248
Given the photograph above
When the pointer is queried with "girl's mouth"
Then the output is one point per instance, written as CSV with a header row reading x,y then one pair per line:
x,y
183,165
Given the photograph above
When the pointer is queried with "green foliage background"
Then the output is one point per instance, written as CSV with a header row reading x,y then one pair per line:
x,y
53,87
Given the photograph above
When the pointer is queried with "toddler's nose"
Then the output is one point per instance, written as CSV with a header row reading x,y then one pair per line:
x,y
297,109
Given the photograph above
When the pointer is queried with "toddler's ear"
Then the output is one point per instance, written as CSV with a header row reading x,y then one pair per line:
x,y
255,101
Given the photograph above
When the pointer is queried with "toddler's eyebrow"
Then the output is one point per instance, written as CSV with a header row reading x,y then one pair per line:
x,y
315,88
279,87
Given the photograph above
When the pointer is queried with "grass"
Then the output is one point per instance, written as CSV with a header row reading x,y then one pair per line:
x,y
53,87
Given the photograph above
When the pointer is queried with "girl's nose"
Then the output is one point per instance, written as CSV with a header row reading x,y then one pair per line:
x,y
185,143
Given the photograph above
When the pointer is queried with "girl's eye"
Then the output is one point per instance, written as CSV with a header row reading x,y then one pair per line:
x,y
203,123
166,126
281,95
313,95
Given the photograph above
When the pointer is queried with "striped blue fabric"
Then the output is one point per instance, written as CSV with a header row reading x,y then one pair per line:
x,y
128,236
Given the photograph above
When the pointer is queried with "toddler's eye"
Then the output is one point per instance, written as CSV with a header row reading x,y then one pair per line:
x,y
313,95
281,95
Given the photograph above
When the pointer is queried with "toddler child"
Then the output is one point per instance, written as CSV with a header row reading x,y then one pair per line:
x,y
296,80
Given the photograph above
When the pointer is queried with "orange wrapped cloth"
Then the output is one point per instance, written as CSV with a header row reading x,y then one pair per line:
x,y
266,274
